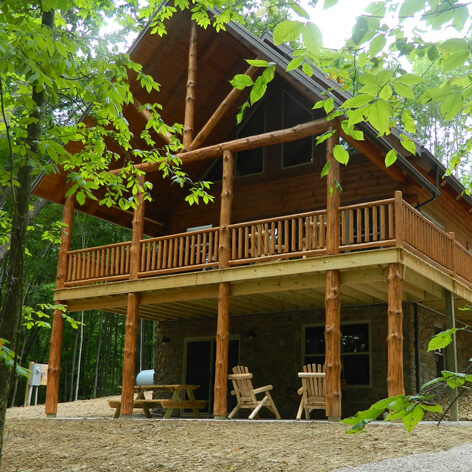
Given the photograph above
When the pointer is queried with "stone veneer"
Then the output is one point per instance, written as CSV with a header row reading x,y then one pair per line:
x,y
274,355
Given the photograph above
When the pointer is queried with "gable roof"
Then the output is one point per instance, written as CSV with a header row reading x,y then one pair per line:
x,y
221,56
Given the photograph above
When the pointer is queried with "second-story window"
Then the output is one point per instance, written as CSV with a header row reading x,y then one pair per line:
x,y
251,162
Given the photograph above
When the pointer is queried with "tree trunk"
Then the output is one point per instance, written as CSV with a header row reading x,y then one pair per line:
x,y
10,313
97,359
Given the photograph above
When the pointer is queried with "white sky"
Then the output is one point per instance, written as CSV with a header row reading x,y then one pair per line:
x,y
336,23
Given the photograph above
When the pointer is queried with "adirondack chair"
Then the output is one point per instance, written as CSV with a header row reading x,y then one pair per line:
x,y
312,390
246,394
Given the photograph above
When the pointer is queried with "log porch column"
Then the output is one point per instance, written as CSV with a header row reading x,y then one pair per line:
x,y
55,347
191,85
333,293
224,291
395,330
451,354
131,329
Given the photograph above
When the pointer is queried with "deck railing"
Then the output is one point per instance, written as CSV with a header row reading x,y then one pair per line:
x,y
365,226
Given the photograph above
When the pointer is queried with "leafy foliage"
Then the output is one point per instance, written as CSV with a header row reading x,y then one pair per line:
x,y
411,408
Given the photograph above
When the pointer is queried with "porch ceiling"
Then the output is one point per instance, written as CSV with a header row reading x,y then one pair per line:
x,y
289,285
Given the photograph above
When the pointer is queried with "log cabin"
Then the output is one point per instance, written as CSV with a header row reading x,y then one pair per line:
x,y
283,268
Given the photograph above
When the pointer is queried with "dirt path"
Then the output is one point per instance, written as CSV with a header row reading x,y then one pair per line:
x,y
91,443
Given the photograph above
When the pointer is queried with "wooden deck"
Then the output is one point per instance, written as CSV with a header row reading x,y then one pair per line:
x,y
276,264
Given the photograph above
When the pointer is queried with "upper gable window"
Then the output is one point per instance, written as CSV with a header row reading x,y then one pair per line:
x,y
301,151
251,162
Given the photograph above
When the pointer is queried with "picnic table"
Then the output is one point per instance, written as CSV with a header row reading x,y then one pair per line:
x,y
169,404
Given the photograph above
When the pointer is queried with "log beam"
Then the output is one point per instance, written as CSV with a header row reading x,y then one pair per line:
x,y
224,290
191,85
219,113
54,369
395,330
129,357
253,142
332,366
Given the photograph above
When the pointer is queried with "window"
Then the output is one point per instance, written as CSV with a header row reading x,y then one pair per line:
x,y
355,351
301,151
438,357
251,161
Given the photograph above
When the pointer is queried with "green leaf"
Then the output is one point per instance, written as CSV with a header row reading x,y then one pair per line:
x,y
299,10
329,105
434,408
360,29
357,101
452,106
441,340
377,44
257,62
461,15
287,31
329,3
80,197
325,170
326,135
403,90
241,81
408,122
307,69
340,154
312,38
409,79
390,158
295,63
455,60
379,114
319,104
413,418
258,91
455,45
408,144
410,7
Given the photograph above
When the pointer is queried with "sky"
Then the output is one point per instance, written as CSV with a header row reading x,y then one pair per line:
x,y
336,22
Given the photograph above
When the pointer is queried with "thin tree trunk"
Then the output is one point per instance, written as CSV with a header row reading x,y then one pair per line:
x,y
97,359
79,361
72,371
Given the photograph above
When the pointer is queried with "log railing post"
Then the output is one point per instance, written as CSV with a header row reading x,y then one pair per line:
x,y
54,369
398,216
224,291
333,289
131,329
191,85
395,330
453,256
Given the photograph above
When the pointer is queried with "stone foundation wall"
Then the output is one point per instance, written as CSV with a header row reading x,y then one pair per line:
x,y
271,346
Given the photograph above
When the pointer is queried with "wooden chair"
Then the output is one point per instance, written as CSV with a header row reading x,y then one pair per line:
x,y
246,394
312,390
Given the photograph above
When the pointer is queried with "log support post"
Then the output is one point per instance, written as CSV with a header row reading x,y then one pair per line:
x,y
129,357
451,354
395,330
191,84
224,291
55,348
333,290
131,329
333,346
